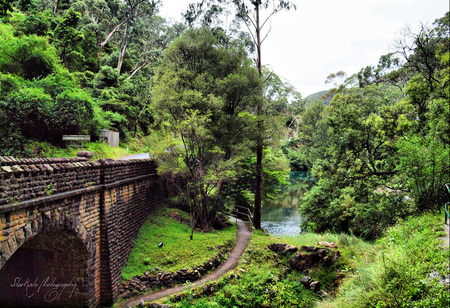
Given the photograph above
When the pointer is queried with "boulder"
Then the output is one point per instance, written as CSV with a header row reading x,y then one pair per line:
x,y
309,283
306,281
315,286
282,249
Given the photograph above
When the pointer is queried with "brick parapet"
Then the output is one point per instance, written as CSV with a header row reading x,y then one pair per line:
x,y
26,179
117,170
11,161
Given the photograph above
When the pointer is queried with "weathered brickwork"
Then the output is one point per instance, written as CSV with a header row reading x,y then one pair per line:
x,y
103,203
33,178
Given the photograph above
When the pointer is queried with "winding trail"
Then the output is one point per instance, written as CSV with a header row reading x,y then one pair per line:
x,y
243,236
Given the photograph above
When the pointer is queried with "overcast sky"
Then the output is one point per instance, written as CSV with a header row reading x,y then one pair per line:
x,y
324,36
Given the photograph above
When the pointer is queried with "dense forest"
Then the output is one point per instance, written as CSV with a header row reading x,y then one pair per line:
x,y
192,94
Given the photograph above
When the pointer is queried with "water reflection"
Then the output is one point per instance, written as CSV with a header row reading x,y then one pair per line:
x,y
281,221
281,215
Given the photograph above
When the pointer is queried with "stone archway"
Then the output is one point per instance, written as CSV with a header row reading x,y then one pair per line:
x,y
50,269
49,263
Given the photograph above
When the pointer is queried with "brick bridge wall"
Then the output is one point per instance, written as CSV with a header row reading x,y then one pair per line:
x,y
101,204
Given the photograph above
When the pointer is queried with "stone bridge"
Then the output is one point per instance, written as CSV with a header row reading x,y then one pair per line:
x,y
67,226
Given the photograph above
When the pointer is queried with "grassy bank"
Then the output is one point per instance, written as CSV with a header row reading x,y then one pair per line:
x,y
44,149
133,146
405,268
178,251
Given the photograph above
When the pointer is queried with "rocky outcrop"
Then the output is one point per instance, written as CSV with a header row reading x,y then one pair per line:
x,y
282,249
311,257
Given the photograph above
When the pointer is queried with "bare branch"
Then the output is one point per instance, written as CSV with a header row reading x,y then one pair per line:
x,y
267,19
267,34
110,34
137,69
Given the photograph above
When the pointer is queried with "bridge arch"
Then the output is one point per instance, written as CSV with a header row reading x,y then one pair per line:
x,y
48,263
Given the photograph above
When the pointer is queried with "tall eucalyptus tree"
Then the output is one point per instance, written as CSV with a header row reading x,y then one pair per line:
x,y
249,13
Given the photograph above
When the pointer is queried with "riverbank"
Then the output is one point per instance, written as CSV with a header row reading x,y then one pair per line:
x,y
408,266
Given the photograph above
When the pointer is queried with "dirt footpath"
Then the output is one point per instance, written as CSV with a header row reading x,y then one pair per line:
x,y
242,238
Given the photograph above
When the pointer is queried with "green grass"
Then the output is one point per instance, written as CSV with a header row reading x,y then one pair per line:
x,y
391,272
178,251
45,149
399,271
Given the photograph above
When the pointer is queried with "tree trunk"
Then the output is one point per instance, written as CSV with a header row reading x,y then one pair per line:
x,y
123,48
259,148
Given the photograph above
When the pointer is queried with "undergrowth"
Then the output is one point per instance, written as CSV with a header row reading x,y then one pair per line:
x,y
407,270
264,279
45,149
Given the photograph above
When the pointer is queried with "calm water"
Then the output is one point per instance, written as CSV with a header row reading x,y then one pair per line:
x,y
281,215
281,221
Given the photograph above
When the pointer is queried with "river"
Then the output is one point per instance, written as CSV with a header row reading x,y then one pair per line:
x,y
281,216
281,221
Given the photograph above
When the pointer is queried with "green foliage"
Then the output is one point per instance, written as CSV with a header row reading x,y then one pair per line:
x,y
107,77
404,268
203,93
380,150
312,141
26,56
42,41
275,178
67,39
34,22
257,283
47,109
5,6
30,109
425,163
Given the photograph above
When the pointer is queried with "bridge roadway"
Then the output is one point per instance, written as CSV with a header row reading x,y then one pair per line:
x,y
137,156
